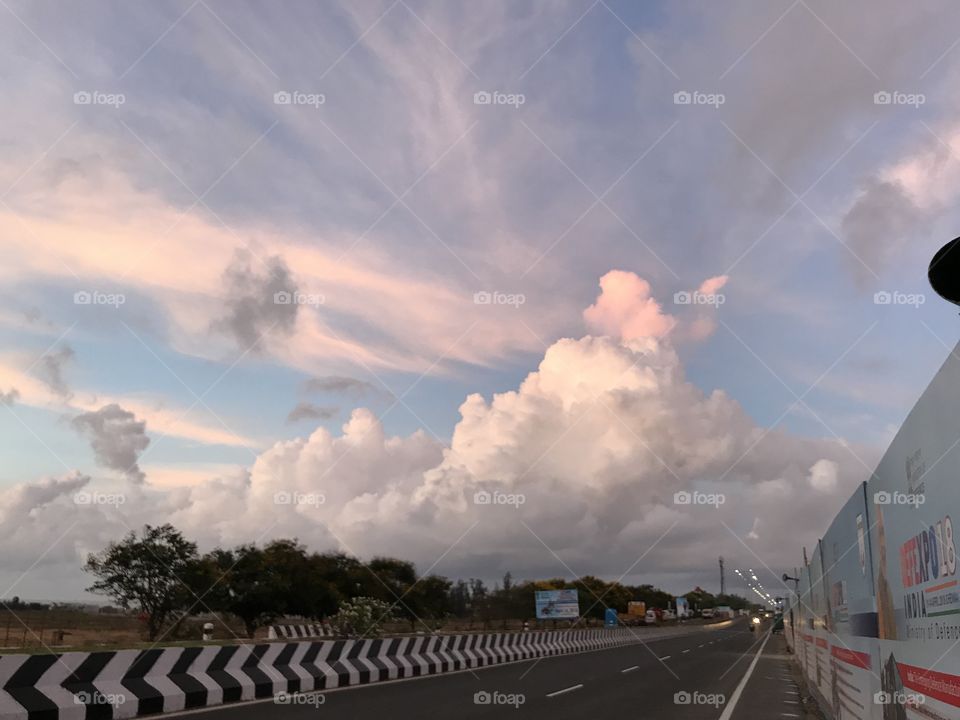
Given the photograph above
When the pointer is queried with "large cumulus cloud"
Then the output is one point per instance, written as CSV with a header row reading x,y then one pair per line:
x,y
597,440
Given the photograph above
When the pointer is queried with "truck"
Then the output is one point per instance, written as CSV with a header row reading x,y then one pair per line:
x,y
637,607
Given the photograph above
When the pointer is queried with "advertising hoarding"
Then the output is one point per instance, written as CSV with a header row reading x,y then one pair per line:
x,y
914,496
557,604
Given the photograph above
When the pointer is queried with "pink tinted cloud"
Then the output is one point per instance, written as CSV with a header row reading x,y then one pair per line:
x,y
626,309
711,286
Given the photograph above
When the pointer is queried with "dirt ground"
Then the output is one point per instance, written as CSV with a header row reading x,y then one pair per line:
x,y
59,630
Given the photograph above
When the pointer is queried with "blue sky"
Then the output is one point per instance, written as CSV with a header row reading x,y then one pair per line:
x,y
393,201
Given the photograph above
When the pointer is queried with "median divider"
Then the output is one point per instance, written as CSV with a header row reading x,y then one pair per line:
x,y
132,683
295,632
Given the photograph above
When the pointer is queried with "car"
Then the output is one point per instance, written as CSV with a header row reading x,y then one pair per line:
x,y
706,613
669,615
651,617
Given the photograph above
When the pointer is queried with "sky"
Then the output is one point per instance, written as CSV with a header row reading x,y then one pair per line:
x,y
345,271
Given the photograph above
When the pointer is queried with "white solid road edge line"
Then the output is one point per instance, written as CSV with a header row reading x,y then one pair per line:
x,y
565,690
728,710
630,669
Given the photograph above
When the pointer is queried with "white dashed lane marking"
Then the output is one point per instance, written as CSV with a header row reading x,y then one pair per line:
x,y
565,690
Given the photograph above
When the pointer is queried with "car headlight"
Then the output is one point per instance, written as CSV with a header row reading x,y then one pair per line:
x,y
756,621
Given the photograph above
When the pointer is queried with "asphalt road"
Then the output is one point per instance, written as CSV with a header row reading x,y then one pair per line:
x,y
703,668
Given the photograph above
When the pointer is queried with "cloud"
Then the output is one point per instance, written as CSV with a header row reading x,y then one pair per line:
x,y
898,204
596,440
34,515
824,476
711,286
9,398
50,369
117,438
309,411
259,300
626,310
703,322
162,418
882,220
337,384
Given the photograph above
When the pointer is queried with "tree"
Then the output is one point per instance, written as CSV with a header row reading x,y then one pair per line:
x,y
460,599
430,599
318,597
251,591
394,579
258,585
156,573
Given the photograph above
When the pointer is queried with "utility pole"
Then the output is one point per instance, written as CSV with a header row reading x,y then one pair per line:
x,y
723,584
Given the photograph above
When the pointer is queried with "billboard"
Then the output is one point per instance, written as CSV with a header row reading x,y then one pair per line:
x,y
913,495
557,604
876,620
683,607
849,627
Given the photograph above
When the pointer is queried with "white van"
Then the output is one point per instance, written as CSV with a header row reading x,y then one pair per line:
x,y
650,618
706,613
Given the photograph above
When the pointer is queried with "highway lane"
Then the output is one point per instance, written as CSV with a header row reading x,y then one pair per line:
x,y
645,678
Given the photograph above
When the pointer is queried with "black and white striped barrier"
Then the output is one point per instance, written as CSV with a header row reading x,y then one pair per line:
x,y
131,683
296,632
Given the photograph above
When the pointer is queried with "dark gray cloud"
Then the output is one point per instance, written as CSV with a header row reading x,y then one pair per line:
x,y
9,398
50,370
882,220
258,300
309,411
117,438
337,384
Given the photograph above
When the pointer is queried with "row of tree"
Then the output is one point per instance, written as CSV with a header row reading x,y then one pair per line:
x,y
161,574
